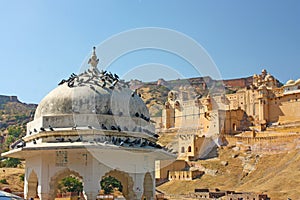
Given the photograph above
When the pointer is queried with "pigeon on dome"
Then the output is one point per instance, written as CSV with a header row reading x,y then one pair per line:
x,y
92,77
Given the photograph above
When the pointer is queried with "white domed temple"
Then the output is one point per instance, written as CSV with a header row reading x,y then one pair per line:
x,y
91,126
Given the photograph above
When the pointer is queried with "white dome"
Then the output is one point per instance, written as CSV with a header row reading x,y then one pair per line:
x,y
93,99
290,82
84,95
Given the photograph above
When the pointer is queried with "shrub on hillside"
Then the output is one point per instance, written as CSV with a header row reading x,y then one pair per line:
x,y
3,181
10,162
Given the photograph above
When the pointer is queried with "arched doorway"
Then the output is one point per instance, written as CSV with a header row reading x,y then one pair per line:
x,y
111,185
148,187
32,185
55,181
126,181
234,127
70,186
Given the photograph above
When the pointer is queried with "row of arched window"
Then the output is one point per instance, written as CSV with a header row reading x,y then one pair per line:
x,y
183,149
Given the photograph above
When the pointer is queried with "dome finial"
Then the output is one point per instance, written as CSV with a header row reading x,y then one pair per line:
x,y
93,61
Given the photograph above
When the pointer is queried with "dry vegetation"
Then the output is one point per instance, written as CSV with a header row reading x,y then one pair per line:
x,y
13,177
277,175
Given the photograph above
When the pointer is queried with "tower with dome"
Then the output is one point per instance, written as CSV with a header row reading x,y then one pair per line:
x,y
90,126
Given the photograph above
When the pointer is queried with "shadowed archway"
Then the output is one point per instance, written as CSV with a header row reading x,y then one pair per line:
x,y
59,176
126,181
148,187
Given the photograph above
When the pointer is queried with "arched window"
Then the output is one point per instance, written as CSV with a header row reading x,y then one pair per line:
x,y
182,150
189,149
234,127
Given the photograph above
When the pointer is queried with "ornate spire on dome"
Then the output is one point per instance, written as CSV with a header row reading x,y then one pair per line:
x,y
93,61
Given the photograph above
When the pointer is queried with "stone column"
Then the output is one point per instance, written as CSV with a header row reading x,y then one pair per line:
x,y
90,195
93,172
44,179
26,195
44,196
138,186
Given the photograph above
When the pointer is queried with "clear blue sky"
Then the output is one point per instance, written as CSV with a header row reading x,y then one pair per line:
x,y
42,42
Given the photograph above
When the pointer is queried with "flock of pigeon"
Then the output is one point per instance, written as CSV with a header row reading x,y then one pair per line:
x,y
121,142
101,139
103,127
93,77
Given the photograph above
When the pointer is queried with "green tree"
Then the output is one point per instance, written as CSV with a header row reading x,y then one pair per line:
x,y
14,131
11,162
22,177
109,183
8,141
3,181
70,184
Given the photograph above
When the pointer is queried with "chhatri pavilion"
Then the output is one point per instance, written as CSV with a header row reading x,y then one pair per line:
x,y
91,126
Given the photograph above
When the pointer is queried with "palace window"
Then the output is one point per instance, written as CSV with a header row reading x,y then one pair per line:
x,y
182,150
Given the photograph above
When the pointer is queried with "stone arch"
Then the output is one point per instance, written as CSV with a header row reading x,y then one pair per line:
x,y
148,187
32,185
57,177
126,181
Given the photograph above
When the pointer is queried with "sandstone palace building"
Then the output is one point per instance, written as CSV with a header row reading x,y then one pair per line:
x,y
261,102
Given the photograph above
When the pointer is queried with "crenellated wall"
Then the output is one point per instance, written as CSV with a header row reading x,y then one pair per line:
x,y
269,144
184,175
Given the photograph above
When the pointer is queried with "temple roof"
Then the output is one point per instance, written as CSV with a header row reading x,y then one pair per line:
x,y
92,92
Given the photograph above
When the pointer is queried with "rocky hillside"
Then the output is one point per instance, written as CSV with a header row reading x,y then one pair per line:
x,y
14,112
14,115
277,175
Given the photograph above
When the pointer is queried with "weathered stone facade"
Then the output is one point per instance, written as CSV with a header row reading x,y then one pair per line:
x,y
258,105
163,167
185,175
